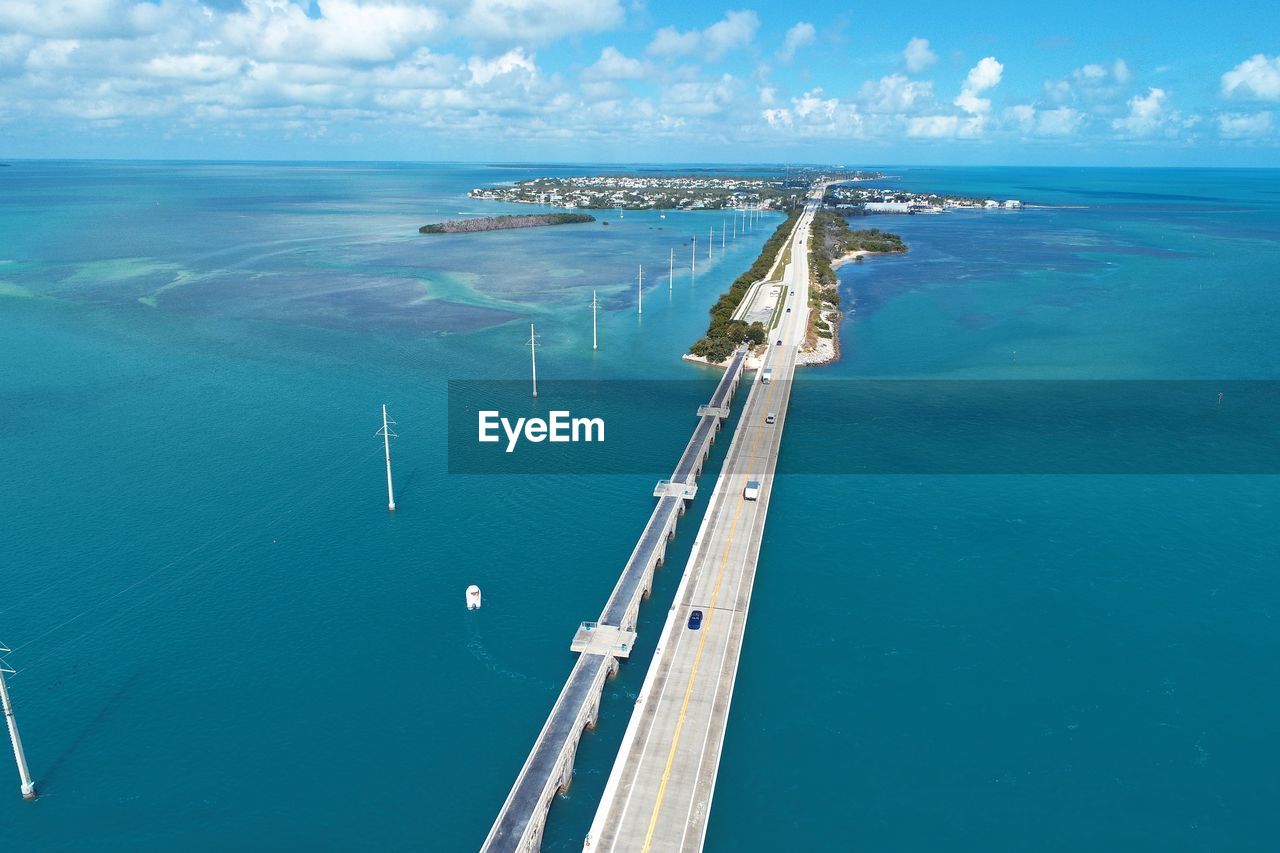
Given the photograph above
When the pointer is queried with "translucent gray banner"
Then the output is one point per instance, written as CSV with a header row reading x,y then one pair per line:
x,y
885,427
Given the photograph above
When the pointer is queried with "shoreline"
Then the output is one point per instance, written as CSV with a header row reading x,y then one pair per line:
x,y
827,350
752,361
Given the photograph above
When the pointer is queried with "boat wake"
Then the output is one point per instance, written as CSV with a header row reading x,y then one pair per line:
x,y
475,645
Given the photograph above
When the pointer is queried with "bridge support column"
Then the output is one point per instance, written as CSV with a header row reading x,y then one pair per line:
x,y
566,777
593,711
534,838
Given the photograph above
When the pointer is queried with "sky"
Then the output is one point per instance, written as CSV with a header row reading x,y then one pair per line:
x,y
1050,83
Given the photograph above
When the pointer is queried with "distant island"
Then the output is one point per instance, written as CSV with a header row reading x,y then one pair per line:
x,y
664,192
498,223
861,201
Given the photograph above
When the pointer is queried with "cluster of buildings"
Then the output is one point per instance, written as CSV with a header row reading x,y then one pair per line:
x,y
643,192
882,200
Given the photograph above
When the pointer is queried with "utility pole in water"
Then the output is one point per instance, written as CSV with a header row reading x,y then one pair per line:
x,y
640,291
387,435
671,269
693,261
595,303
28,787
533,357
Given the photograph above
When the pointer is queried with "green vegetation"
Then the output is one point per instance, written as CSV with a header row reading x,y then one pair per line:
x,y
497,223
874,240
833,239
724,333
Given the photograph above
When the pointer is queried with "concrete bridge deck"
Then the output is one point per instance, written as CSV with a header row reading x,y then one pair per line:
x,y
549,768
659,792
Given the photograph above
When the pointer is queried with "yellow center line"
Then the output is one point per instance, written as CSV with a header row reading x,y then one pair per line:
x,y
697,658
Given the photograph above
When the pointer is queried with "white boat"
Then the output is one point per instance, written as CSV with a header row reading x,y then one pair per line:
x,y
473,597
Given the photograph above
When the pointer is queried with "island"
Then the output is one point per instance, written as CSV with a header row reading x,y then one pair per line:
x,y
727,329
861,201
833,244
751,307
498,223
698,191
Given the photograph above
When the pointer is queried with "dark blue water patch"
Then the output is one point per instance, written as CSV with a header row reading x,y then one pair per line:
x,y
1037,427
1130,195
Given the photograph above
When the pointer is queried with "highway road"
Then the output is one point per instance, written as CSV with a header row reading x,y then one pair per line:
x,y
659,792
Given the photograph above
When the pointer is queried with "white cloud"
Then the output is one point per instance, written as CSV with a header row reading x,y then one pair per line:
x,y
801,35
700,98
1060,121
918,56
1098,84
894,94
933,127
1144,113
534,21
347,31
777,117
1089,74
1057,91
514,61
733,32
614,65
813,114
945,126
1243,126
1256,77
736,31
669,41
983,76
1022,116
1149,116
1063,121
66,18
194,67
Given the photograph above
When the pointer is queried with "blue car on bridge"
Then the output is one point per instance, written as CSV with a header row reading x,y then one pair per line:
x,y
695,620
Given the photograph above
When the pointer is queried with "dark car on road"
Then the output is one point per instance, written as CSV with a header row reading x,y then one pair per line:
x,y
695,620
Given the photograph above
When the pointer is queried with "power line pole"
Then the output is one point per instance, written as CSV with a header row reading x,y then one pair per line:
x,y
28,787
693,261
533,357
724,226
640,291
711,240
671,270
595,303
387,435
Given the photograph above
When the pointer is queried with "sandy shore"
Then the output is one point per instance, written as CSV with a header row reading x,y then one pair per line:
x,y
851,256
752,362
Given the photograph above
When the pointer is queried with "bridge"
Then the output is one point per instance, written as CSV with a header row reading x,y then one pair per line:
x,y
658,796
601,644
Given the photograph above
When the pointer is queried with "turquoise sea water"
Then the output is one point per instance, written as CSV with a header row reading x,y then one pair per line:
x,y
224,641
